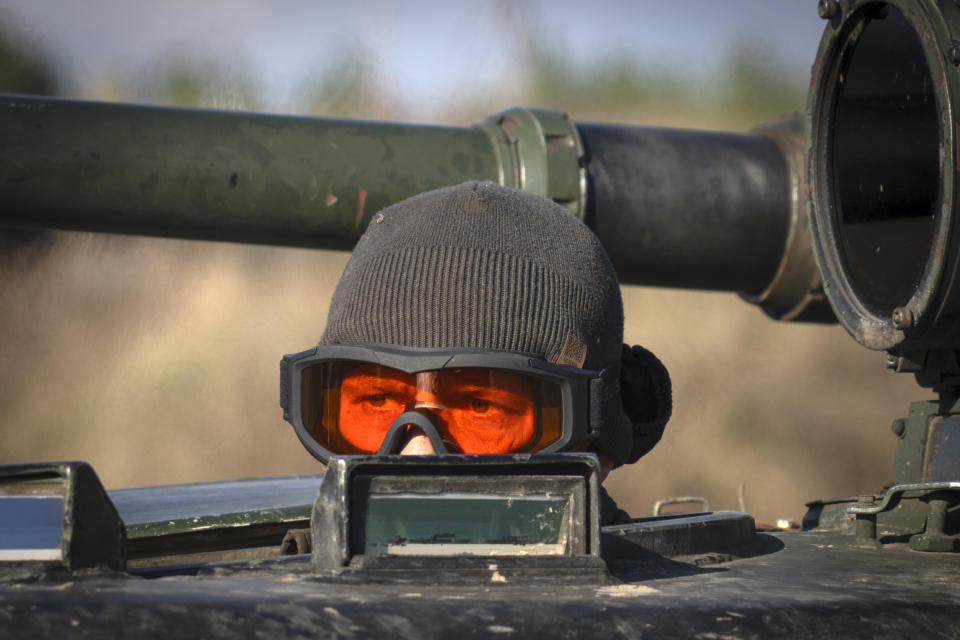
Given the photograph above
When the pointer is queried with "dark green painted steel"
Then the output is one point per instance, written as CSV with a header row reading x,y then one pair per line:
x,y
316,182
915,458
219,175
189,508
908,463
806,585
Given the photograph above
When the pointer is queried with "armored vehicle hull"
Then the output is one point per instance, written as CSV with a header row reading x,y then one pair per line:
x,y
704,575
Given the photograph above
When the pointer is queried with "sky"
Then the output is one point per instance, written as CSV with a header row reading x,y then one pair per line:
x,y
426,50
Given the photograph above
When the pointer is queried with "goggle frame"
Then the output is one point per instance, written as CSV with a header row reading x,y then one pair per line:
x,y
580,421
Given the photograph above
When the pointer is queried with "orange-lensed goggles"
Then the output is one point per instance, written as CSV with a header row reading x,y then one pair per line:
x,y
351,399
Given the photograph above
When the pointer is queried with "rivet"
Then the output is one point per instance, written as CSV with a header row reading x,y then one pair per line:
x,y
902,318
899,427
955,53
827,8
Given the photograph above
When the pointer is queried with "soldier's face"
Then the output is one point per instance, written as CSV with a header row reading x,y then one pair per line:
x,y
474,410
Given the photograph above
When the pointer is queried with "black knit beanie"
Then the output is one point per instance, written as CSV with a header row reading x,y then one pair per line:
x,y
482,266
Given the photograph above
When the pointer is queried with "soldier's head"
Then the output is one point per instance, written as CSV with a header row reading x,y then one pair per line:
x,y
477,319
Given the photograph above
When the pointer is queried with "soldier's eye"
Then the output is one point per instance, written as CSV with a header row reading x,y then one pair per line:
x,y
378,400
479,405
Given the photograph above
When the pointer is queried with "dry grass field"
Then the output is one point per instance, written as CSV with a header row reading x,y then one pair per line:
x,y
156,361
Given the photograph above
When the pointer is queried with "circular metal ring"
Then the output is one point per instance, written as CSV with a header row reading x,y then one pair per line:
x,y
882,117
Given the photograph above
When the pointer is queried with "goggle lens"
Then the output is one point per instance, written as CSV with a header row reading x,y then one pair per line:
x,y
348,408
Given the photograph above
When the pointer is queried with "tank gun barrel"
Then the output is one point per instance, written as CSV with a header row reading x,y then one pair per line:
x,y
692,209
674,208
212,175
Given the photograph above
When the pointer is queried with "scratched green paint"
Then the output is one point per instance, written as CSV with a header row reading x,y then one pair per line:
x,y
219,175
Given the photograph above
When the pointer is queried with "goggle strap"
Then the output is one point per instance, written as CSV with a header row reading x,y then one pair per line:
x,y
600,388
396,434
285,387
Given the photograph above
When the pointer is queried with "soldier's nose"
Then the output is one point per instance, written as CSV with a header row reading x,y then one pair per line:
x,y
417,444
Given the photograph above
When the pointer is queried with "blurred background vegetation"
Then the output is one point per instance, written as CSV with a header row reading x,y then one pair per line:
x,y
156,360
